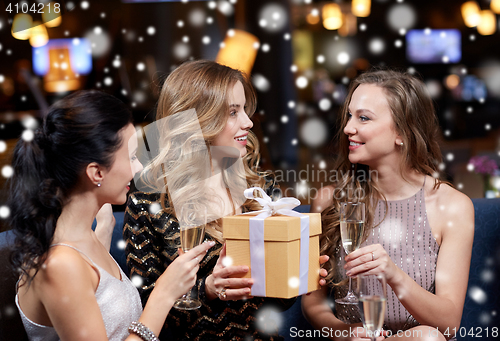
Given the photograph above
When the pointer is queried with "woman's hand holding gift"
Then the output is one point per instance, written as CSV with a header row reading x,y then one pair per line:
x,y
322,272
220,283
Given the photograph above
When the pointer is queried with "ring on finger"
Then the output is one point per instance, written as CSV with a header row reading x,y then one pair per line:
x,y
373,256
221,294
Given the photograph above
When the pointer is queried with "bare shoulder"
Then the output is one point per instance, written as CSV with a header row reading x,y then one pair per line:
x,y
323,199
456,211
455,201
62,267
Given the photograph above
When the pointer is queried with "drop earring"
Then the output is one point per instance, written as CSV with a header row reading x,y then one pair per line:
x,y
401,144
98,184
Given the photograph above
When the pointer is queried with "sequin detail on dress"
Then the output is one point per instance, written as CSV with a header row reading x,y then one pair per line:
x,y
406,236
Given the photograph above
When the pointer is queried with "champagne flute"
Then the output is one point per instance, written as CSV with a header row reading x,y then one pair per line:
x,y
192,221
372,290
352,227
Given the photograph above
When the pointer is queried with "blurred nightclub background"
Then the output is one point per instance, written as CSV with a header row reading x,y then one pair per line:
x,y
301,55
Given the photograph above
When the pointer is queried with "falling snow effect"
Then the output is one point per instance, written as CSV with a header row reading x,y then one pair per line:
x,y
273,17
154,208
478,295
30,122
301,82
227,261
4,212
401,17
197,17
343,58
314,132
136,281
121,244
261,83
141,66
325,104
376,46
225,7
269,319
293,282
99,41
181,50
27,135
7,171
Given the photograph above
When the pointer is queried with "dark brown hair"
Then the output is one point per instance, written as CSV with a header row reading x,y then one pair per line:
x,y
414,120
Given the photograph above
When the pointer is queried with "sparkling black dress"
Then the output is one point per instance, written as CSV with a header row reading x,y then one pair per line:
x,y
152,238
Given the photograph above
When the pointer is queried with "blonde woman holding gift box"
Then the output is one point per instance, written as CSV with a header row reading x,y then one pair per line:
x,y
419,229
223,101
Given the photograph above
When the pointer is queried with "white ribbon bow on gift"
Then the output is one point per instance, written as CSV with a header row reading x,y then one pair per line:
x,y
283,206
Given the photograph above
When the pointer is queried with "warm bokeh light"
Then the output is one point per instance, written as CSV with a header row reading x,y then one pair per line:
x,y
332,16
350,25
239,51
60,77
495,6
312,19
361,8
39,36
471,13
487,24
51,18
21,26
452,81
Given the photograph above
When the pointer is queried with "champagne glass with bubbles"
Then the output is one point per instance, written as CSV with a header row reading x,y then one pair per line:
x,y
372,290
352,227
192,221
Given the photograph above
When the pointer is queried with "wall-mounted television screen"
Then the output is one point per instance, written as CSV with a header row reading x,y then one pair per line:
x,y
433,46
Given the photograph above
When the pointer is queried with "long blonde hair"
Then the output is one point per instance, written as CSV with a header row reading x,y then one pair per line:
x,y
415,121
204,86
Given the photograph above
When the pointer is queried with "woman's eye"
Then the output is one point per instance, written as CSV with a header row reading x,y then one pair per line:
x,y
349,115
133,158
364,118
232,113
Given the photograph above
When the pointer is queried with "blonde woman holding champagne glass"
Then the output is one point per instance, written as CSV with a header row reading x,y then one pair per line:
x,y
223,101
419,229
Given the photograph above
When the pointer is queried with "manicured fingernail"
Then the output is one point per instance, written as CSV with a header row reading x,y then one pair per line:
x,y
211,243
348,273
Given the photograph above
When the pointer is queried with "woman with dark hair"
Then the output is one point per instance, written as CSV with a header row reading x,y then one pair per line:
x,y
419,230
70,288
223,100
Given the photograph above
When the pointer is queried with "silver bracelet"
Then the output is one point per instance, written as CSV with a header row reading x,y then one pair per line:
x,y
142,331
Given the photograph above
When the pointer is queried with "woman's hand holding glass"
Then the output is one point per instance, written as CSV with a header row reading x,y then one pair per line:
x,y
371,260
180,275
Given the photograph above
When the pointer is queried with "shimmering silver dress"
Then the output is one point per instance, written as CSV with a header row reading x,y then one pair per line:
x,y
118,301
406,236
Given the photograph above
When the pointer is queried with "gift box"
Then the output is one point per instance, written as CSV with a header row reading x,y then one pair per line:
x,y
280,272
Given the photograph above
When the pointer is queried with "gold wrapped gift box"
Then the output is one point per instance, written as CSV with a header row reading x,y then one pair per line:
x,y
282,251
